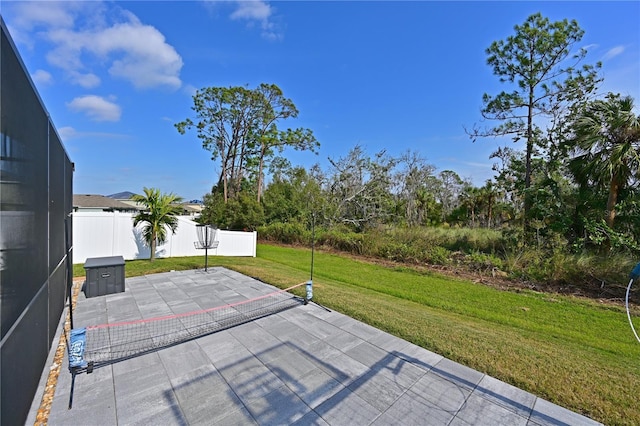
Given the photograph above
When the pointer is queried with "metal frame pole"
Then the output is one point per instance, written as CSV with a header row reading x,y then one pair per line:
x,y
313,240
69,271
206,247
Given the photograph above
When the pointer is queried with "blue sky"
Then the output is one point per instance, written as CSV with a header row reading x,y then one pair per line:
x,y
116,76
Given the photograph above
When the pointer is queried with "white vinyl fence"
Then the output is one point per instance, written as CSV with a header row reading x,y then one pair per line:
x,y
100,234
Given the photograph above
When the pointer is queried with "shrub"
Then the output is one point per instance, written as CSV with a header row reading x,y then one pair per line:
x,y
398,251
477,250
437,255
482,262
453,239
288,233
350,242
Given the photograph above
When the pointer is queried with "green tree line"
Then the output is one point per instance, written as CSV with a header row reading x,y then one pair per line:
x,y
574,189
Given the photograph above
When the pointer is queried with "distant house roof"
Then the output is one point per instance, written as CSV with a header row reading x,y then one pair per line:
x,y
192,208
99,202
122,195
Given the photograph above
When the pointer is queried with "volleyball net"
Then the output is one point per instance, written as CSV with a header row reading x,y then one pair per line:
x,y
98,345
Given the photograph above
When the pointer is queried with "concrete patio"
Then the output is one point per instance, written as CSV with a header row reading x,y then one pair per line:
x,y
305,365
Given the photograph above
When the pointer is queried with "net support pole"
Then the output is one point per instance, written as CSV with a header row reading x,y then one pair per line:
x,y
309,287
73,384
313,241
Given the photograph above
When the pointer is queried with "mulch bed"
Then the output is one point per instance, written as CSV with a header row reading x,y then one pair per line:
x,y
42,417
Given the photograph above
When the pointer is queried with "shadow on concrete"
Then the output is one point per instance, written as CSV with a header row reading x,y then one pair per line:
x,y
269,394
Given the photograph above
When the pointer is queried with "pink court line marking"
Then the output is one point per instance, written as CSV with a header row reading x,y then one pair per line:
x,y
202,311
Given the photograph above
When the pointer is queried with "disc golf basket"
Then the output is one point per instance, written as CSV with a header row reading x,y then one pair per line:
x,y
207,239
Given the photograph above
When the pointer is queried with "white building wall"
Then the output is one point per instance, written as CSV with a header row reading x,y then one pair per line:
x,y
100,234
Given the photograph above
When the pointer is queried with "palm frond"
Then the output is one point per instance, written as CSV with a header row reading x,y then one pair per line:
x,y
159,214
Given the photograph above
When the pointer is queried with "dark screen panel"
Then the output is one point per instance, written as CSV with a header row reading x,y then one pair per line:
x,y
56,200
24,169
57,295
36,181
25,352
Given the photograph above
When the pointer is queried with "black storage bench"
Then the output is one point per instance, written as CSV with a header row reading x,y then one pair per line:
x,y
105,275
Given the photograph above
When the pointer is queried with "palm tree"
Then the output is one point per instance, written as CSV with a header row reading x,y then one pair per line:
x,y
470,200
486,198
606,142
159,214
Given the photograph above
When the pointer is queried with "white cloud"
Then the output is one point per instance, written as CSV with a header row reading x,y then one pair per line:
x,y
83,43
47,13
88,80
613,52
96,108
252,12
478,165
31,17
146,59
189,89
67,133
42,77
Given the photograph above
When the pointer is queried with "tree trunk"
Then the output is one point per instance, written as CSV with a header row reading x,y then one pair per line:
x,y
260,173
527,170
610,214
225,186
614,188
490,211
153,247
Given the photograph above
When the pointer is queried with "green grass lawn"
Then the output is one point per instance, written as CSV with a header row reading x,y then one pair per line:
x,y
577,353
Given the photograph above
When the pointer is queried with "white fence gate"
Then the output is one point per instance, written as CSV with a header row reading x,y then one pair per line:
x,y
100,234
